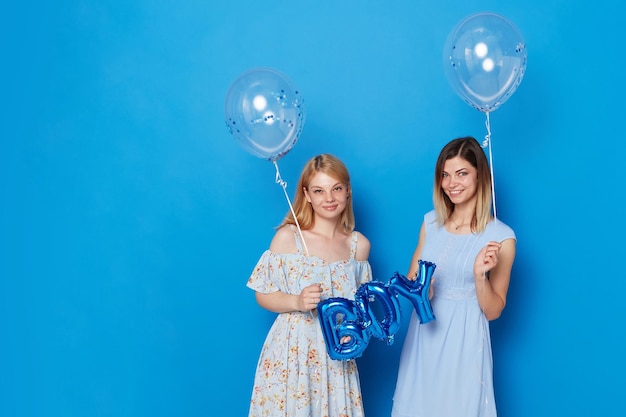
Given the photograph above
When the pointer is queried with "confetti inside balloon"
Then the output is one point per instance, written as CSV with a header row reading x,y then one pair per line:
x,y
265,113
485,60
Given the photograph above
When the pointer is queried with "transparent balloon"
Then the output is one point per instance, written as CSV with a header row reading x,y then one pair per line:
x,y
485,60
265,113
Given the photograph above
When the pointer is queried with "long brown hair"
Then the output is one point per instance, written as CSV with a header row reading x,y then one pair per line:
x,y
333,167
468,149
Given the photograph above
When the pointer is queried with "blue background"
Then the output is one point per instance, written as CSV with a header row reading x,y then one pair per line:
x,y
130,219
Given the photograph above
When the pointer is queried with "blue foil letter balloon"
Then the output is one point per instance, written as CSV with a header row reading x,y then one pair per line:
x,y
366,296
417,290
347,326
343,332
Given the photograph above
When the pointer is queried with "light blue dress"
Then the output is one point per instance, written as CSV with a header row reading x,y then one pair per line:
x,y
295,377
446,367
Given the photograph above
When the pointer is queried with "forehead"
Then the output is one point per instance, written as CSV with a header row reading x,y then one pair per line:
x,y
321,179
455,164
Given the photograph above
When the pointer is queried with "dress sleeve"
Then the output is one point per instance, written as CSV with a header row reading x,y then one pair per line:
x,y
503,231
268,275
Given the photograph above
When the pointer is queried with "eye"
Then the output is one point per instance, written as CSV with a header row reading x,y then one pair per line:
x,y
317,191
444,175
338,188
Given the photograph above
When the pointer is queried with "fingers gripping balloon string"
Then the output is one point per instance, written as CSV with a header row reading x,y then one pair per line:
x,y
283,184
487,142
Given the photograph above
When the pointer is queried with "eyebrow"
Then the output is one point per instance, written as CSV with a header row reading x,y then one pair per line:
x,y
458,170
332,186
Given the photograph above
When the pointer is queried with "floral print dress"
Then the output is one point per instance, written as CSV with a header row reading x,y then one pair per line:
x,y
295,377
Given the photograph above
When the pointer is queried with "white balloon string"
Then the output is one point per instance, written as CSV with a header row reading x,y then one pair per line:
x,y
283,184
487,142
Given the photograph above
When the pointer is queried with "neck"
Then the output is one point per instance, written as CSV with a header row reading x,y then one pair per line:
x,y
458,226
326,228
461,218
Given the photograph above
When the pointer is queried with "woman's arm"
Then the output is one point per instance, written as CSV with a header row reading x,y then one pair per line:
x,y
279,302
363,248
414,267
492,274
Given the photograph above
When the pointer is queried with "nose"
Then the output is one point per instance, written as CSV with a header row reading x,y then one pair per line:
x,y
452,181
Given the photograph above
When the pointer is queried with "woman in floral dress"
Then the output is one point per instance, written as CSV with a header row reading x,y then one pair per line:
x,y
316,257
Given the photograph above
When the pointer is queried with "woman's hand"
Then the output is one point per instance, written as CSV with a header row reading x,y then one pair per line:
x,y
431,290
310,297
486,259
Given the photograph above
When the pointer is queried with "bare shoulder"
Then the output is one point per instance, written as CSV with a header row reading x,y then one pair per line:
x,y
362,247
284,241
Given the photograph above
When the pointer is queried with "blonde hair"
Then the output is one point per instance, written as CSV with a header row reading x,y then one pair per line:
x,y
468,149
333,167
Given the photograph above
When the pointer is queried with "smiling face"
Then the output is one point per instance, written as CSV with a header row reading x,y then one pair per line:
x,y
327,195
459,180
463,181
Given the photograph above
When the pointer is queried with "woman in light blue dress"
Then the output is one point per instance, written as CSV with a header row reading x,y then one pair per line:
x,y
446,367
325,258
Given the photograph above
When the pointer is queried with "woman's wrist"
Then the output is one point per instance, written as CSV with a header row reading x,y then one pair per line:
x,y
481,276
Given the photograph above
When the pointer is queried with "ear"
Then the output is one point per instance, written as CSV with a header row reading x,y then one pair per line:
x,y
306,194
